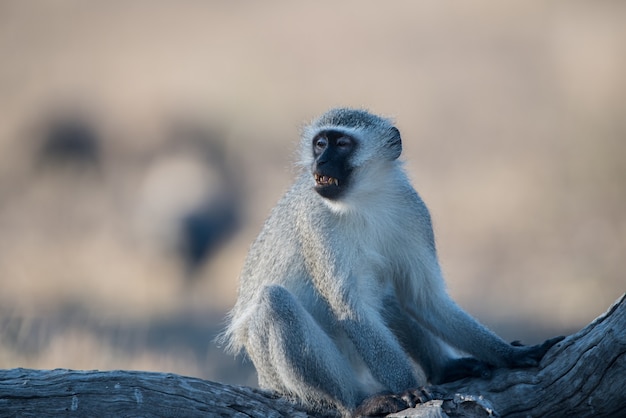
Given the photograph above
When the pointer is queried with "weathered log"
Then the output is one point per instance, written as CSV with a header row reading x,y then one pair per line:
x,y
120,393
584,375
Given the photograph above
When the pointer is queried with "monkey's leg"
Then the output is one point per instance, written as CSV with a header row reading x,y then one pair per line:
x,y
436,359
429,352
293,355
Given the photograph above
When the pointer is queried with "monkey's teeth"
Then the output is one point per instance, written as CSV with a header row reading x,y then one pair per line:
x,y
325,180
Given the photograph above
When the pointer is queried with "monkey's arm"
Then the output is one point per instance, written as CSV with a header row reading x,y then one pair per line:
x,y
455,326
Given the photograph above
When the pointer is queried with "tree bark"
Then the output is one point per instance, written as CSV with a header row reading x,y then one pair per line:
x,y
584,375
120,393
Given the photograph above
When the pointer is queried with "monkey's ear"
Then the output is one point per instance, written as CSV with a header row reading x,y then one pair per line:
x,y
395,143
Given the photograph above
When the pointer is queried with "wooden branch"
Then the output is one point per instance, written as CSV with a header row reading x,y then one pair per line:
x,y
584,375
57,393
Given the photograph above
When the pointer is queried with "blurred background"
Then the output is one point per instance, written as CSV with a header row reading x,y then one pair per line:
x,y
142,144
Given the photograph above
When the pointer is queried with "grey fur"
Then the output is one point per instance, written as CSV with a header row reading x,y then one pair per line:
x,y
339,300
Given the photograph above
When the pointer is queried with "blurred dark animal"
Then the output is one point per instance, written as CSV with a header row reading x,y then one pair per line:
x,y
69,140
192,194
205,230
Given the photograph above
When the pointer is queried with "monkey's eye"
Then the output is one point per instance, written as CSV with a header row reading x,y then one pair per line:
x,y
320,143
344,142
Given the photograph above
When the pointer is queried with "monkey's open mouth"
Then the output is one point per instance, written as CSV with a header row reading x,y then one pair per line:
x,y
330,187
321,180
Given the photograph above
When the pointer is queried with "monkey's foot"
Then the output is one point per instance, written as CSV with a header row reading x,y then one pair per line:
x,y
388,403
465,367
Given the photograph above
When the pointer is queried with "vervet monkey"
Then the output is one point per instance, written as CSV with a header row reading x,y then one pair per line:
x,y
341,296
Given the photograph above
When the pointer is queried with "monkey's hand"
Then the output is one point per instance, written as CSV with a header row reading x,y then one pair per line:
x,y
388,403
529,356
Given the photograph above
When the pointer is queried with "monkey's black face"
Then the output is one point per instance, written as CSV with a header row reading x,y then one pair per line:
x,y
331,170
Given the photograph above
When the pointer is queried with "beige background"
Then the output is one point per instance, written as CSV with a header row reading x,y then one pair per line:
x,y
514,129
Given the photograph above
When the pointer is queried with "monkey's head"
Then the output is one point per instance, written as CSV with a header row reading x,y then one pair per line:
x,y
349,152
